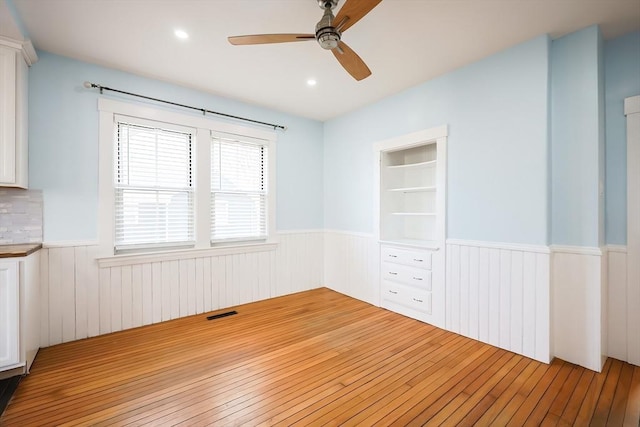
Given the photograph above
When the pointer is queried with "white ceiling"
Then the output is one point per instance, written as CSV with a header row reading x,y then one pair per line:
x,y
404,42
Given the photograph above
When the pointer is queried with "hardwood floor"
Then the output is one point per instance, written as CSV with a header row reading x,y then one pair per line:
x,y
313,358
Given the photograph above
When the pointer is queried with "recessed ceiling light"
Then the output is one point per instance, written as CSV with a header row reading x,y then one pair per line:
x,y
311,82
181,34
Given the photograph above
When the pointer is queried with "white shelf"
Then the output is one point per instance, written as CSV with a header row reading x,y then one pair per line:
x,y
413,189
414,213
414,165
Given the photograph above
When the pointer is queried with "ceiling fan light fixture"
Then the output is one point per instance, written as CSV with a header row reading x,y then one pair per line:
x,y
328,39
326,34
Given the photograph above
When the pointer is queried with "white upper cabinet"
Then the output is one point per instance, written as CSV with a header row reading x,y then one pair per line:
x,y
13,114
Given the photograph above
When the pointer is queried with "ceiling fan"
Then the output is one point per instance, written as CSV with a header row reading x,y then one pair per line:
x,y
328,33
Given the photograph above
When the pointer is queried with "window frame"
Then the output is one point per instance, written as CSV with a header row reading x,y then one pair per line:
x,y
204,127
136,121
243,140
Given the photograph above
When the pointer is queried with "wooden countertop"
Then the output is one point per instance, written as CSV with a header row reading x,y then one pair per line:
x,y
15,251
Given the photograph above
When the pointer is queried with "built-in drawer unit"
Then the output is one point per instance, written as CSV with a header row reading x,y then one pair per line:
x,y
406,278
412,276
413,258
407,296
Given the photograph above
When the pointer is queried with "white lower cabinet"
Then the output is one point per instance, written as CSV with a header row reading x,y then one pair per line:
x,y
19,314
407,285
9,315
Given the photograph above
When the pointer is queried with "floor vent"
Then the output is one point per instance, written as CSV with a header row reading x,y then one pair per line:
x,y
218,316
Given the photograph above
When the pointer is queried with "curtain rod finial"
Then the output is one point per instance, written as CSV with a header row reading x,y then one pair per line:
x,y
88,85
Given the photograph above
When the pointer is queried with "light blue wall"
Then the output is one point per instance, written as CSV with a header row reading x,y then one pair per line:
x,y
497,113
63,145
622,80
576,135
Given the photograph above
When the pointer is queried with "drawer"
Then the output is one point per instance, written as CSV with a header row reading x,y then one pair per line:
x,y
407,297
413,258
412,276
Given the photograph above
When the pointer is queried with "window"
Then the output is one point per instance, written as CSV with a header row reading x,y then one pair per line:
x,y
154,204
183,183
238,188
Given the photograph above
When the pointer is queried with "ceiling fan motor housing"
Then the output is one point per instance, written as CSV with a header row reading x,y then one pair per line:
x,y
327,4
326,34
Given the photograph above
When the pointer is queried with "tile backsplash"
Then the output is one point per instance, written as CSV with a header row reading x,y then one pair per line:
x,y
20,216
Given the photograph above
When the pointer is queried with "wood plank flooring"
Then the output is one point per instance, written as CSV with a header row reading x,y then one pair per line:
x,y
313,358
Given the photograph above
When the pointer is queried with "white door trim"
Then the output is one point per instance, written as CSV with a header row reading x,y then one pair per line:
x,y
632,111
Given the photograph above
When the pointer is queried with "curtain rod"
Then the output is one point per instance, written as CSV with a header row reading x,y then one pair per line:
x,y
90,85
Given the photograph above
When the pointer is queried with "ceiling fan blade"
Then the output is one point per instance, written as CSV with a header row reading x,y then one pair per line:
x,y
351,61
270,38
353,11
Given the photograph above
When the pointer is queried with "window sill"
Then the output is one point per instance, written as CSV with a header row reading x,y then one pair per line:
x,y
174,255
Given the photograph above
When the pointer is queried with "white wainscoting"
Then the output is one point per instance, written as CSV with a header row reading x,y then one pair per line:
x,y
579,306
352,265
499,294
620,307
81,300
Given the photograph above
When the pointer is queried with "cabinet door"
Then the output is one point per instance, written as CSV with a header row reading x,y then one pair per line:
x,y
7,116
9,327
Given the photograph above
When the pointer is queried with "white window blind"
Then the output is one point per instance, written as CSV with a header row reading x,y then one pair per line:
x,y
153,186
238,188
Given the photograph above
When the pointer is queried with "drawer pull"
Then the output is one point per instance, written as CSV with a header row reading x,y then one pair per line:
x,y
393,256
417,278
417,300
418,260
393,273
393,292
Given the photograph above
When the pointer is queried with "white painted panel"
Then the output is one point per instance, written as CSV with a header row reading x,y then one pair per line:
x,y
474,292
577,309
105,300
494,296
157,292
516,303
68,286
173,283
127,296
220,297
529,303
183,289
93,291
494,293
454,285
199,284
166,281
147,294
116,299
483,295
617,301
79,299
464,290
56,306
505,298
544,331
264,275
81,281
44,298
352,263
136,295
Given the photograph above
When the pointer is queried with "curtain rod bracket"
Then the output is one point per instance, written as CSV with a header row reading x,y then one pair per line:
x,y
90,85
